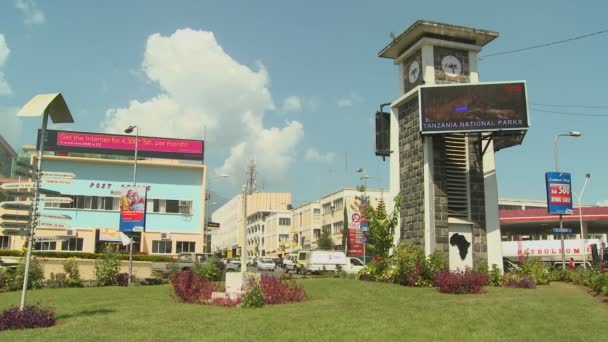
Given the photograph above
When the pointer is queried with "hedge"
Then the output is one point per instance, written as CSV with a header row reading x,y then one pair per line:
x,y
81,255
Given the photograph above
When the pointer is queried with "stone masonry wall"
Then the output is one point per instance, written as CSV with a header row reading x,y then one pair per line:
x,y
477,193
411,174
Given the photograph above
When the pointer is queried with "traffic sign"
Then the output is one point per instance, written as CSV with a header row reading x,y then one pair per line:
x,y
53,174
20,185
62,181
56,216
17,193
563,230
56,200
356,217
16,205
48,192
15,217
53,225
16,232
14,225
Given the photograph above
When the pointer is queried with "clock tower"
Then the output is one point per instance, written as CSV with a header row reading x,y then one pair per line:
x,y
448,180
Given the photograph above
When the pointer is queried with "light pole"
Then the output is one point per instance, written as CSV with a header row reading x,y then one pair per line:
x,y
40,105
129,130
364,184
556,152
580,219
244,236
207,198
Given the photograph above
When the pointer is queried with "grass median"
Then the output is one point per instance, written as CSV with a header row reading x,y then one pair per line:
x,y
339,310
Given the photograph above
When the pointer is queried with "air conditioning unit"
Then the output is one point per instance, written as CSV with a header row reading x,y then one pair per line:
x,y
70,232
165,236
184,203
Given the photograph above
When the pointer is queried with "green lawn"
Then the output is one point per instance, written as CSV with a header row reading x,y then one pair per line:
x,y
341,310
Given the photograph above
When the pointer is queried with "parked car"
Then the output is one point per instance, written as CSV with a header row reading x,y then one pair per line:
x,y
266,264
233,265
290,262
184,261
353,265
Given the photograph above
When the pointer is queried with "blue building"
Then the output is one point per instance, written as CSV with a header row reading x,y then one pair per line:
x,y
175,204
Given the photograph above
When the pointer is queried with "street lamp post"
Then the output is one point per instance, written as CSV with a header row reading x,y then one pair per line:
x,y
556,152
580,219
46,105
207,198
244,235
128,131
364,184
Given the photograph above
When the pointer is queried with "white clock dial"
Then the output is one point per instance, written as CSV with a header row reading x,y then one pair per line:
x,y
451,66
413,72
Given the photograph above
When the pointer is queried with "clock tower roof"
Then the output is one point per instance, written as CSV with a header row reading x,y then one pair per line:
x,y
430,29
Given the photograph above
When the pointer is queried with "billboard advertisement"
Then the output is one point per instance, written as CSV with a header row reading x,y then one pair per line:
x,y
473,107
355,242
113,144
559,195
132,209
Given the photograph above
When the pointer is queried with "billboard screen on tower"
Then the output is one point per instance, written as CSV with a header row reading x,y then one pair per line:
x,y
473,107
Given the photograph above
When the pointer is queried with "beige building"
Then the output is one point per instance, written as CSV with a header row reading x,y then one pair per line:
x,y
334,205
227,239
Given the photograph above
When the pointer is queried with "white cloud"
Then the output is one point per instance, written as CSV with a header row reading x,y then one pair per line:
x,y
202,87
603,203
292,104
314,155
10,128
344,102
4,52
348,101
33,15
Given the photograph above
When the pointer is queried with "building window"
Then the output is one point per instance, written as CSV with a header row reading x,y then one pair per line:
x,y
316,211
284,221
45,246
316,233
327,208
73,244
185,246
337,229
339,204
172,206
5,242
161,247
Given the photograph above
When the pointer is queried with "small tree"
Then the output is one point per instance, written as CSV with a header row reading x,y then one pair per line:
x,y
325,241
107,267
382,227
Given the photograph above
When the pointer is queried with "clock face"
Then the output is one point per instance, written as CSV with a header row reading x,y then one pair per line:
x,y
451,66
413,71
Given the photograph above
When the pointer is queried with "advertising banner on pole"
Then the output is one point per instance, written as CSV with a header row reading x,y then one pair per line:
x,y
132,209
355,242
559,195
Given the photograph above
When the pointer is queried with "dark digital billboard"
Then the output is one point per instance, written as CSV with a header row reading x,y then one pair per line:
x,y
112,144
473,107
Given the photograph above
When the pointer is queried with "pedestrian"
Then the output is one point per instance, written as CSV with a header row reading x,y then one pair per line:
x,y
571,264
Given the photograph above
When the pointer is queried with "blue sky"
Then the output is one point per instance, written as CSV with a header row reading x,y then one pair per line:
x,y
295,84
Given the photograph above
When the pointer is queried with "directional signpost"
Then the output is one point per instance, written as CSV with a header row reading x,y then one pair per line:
x,y
56,216
53,174
20,185
53,225
16,232
16,205
55,200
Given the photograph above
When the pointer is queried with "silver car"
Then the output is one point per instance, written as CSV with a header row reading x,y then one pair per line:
x,y
266,264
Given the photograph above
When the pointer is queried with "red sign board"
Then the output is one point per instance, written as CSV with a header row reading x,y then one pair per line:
x,y
355,242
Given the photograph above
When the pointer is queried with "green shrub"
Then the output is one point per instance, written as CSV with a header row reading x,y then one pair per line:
x,y
83,255
495,276
57,280
411,266
14,281
536,269
254,297
70,266
209,269
107,267
481,266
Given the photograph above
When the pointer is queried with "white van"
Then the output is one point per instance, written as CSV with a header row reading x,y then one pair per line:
x,y
332,261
